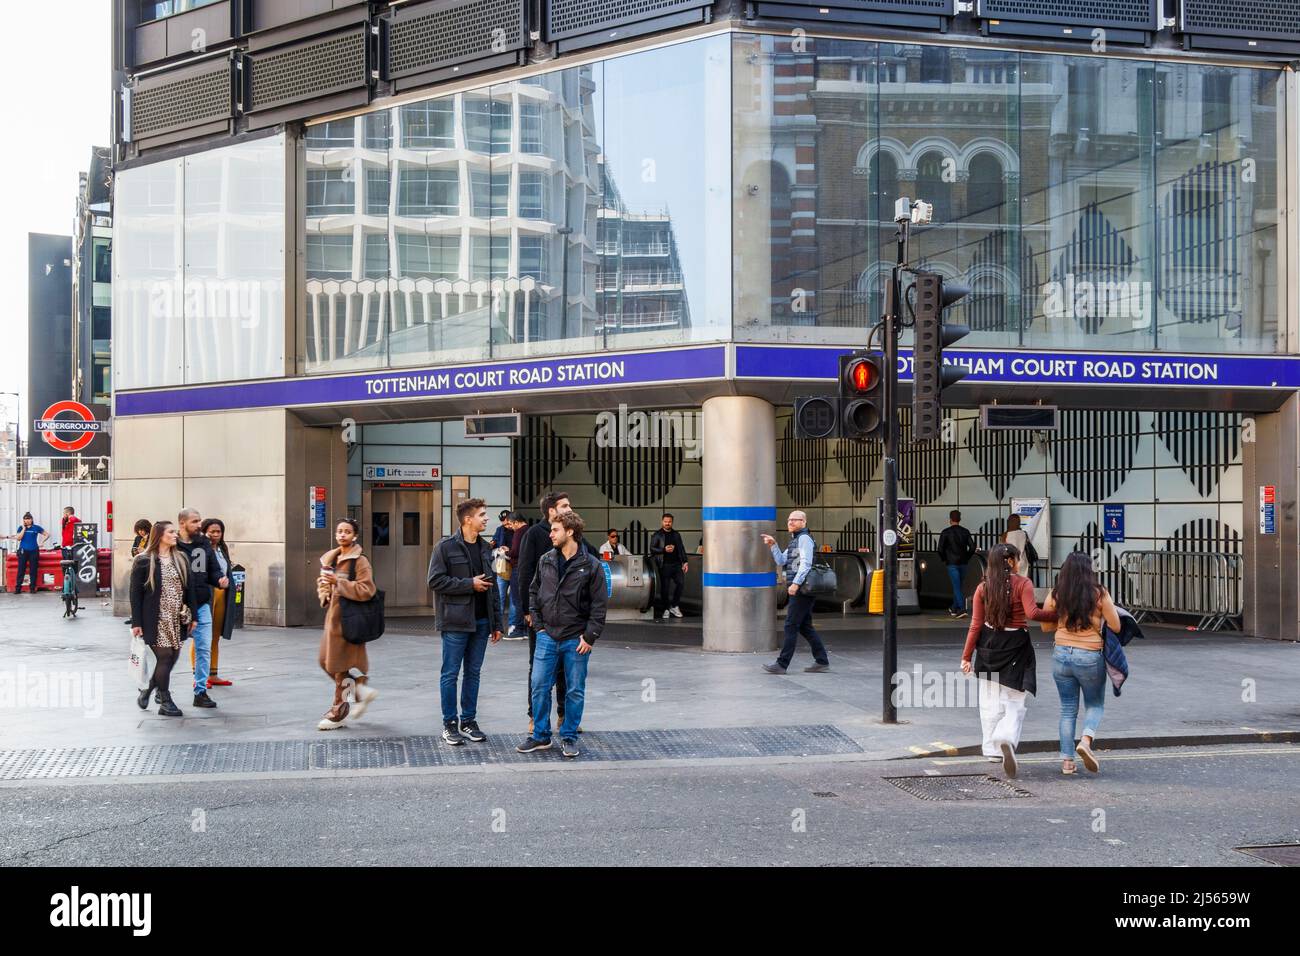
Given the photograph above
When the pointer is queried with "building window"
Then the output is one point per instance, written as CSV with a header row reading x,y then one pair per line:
x,y
379,133
330,193
435,257
490,257
1084,103
986,190
533,195
428,192
102,263
1216,100
329,257
490,192
157,9
429,125
532,131
376,256
101,324
332,135
532,256
933,185
377,192
936,65
882,178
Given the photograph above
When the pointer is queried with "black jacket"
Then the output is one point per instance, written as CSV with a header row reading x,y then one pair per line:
x,y
660,540
205,572
956,546
146,603
535,543
452,579
572,605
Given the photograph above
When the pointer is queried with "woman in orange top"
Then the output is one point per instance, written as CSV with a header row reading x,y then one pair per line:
x,y
1004,656
1078,661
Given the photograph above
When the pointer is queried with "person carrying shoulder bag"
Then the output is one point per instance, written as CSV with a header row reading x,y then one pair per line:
x,y
346,663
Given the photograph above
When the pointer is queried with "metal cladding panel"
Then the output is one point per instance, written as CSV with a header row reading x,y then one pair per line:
x,y
306,71
941,8
430,36
184,99
571,18
1249,19
1131,14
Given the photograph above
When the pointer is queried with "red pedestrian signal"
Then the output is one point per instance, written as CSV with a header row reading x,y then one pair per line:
x,y
862,395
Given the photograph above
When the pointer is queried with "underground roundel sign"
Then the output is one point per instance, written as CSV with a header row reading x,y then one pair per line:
x,y
82,424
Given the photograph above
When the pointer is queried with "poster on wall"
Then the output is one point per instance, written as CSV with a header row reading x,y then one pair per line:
x,y
905,527
1036,523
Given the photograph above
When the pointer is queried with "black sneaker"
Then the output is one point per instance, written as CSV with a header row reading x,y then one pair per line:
x,y
143,699
469,730
569,747
532,743
203,700
157,697
451,734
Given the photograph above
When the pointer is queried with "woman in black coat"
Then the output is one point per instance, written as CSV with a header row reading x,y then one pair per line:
x,y
164,609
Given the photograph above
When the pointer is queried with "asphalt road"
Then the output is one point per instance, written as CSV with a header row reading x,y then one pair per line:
x,y
1172,807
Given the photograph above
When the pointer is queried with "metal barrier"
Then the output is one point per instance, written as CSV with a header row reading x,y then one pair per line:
x,y
1199,583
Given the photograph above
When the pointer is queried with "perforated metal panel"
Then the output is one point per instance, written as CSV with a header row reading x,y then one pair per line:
x,y
570,18
1265,19
1134,14
429,36
162,105
934,7
306,71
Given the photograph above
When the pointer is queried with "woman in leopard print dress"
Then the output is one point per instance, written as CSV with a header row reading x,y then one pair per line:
x,y
163,609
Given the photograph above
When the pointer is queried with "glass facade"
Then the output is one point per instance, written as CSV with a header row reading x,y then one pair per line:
x,y
199,267
736,187
580,210
1089,202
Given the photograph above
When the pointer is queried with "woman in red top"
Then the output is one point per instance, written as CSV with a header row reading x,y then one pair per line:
x,y
1004,656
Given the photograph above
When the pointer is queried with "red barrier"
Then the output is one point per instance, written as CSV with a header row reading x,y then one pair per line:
x,y
51,564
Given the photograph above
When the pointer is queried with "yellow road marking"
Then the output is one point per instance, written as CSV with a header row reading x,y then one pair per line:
x,y
920,750
949,749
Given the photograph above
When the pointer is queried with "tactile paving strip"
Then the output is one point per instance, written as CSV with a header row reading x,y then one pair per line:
x,y
378,753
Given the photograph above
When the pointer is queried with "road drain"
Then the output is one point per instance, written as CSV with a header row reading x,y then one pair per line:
x,y
964,786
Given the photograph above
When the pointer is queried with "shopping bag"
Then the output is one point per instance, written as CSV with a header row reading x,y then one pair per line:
x,y
140,665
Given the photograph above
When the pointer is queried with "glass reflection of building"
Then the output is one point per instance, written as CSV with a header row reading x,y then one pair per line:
x,y
1089,202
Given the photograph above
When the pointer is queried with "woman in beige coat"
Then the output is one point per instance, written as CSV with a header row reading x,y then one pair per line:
x,y
345,572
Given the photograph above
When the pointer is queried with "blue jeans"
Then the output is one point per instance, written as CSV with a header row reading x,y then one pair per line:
x,y
467,649
955,576
516,605
202,648
550,655
1075,669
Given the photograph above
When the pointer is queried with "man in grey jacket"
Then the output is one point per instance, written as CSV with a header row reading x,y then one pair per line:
x,y
468,614
797,559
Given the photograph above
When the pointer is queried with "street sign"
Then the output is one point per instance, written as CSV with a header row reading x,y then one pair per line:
x,y
401,472
83,424
316,502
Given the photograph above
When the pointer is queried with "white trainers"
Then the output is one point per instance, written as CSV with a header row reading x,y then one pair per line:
x,y
675,611
666,613
364,695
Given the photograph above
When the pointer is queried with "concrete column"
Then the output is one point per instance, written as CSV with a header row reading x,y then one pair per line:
x,y
739,499
1272,561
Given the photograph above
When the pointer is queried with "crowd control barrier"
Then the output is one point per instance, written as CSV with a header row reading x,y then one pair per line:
x,y
1204,584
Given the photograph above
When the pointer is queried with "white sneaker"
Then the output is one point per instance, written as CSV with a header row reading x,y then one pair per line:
x,y
666,613
675,611
364,695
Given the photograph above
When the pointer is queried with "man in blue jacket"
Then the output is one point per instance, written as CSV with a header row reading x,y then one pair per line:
x,y
29,550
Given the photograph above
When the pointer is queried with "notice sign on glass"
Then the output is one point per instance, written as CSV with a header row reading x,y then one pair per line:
x,y
1268,509
316,507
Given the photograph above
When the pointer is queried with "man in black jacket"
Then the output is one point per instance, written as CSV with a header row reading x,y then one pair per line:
x,y
468,614
669,553
536,542
567,598
956,548
205,572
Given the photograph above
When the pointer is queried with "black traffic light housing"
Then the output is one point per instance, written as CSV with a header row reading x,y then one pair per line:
x,y
930,376
862,395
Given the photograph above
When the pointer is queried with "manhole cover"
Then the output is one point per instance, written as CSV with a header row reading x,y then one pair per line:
x,y
963,786
1279,854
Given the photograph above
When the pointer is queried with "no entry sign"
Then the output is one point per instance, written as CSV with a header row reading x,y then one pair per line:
x,y
82,423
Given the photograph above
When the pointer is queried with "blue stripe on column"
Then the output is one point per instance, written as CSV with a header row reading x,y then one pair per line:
x,y
739,513
743,579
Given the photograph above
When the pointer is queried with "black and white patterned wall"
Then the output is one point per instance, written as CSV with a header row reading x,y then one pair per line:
x,y
1178,474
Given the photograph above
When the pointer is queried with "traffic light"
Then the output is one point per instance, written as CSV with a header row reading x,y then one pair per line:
x,y
862,396
929,375
817,417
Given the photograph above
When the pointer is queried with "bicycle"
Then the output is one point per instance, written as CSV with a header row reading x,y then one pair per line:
x,y
71,600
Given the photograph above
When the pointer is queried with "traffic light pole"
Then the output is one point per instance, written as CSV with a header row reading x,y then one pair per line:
x,y
889,520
